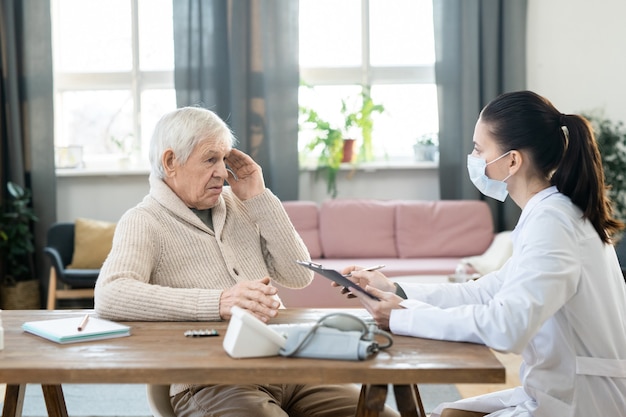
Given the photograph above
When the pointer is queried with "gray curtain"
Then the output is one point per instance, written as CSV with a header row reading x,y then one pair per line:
x,y
480,47
240,59
26,114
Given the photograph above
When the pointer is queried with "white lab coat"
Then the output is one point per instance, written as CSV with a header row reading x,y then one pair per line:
x,y
560,301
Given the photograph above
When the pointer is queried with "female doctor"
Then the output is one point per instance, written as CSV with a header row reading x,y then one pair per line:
x,y
560,300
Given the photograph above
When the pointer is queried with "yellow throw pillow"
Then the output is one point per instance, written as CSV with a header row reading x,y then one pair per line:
x,y
92,243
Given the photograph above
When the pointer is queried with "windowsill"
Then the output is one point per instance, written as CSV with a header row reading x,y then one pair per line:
x,y
380,166
106,165
97,172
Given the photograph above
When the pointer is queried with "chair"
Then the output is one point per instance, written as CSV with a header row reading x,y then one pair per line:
x,y
159,400
66,283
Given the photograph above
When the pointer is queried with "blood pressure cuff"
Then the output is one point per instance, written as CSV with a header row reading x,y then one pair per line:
x,y
328,343
325,341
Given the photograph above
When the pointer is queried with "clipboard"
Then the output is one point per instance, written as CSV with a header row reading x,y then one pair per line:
x,y
335,276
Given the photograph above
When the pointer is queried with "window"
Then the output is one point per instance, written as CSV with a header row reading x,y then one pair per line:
x,y
388,46
114,63
113,75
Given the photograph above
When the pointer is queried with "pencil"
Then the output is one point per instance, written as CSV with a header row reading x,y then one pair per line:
x,y
83,323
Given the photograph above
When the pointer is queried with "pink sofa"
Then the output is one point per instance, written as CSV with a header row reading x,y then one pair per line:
x,y
409,237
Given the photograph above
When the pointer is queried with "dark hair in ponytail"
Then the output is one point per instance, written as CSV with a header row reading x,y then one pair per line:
x,y
562,147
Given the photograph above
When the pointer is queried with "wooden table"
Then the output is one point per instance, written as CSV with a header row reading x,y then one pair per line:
x,y
159,353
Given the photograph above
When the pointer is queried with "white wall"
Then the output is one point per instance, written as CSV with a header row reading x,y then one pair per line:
x,y
101,197
576,52
576,58
107,197
408,183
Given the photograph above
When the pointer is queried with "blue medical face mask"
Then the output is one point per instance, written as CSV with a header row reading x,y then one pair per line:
x,y
491,188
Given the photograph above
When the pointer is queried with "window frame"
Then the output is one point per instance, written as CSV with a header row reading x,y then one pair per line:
x,y
135,80
367,74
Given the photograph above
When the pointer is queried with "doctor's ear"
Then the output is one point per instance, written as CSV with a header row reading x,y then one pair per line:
x,y
516,161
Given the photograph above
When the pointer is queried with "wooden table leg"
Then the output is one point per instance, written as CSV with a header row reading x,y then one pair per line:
x,y
13,400
371,400
55,401
409,401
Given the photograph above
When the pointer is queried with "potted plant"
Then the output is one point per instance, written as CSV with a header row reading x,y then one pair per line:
x,y
335,143
426,147
20,288
122,145
362,119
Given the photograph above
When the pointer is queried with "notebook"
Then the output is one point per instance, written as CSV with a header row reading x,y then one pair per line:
x,y
66,330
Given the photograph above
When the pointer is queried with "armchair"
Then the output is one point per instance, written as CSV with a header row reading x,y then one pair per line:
x,y
66,283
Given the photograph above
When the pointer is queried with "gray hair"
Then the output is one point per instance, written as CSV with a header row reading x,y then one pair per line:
x,y
181,130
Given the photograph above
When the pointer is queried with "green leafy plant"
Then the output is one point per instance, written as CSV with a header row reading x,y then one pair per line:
x,y
122,144
362,119
16,236
329,141
611,138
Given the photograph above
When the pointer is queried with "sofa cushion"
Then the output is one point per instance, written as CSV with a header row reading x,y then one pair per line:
x,y
397,267
495,256
321,294
445,228
304,216
92,243
358,228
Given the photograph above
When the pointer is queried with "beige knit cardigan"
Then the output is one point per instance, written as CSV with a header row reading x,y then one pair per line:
x,y
166,265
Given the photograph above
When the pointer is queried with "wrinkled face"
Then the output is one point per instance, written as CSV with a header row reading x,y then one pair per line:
x,y
199,181
486,147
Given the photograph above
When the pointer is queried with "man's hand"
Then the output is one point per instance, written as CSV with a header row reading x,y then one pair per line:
x,y
249,182
255,296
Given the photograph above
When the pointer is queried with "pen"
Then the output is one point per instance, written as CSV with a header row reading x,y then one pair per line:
x,y
83,323
371,268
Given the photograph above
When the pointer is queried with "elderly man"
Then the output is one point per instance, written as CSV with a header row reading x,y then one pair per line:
x,y
194,248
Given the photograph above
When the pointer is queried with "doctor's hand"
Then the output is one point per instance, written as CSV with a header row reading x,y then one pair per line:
x,y
363,278
258,297
247,181
380,310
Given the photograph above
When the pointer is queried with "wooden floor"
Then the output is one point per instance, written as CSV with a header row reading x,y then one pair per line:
x,y
511,362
